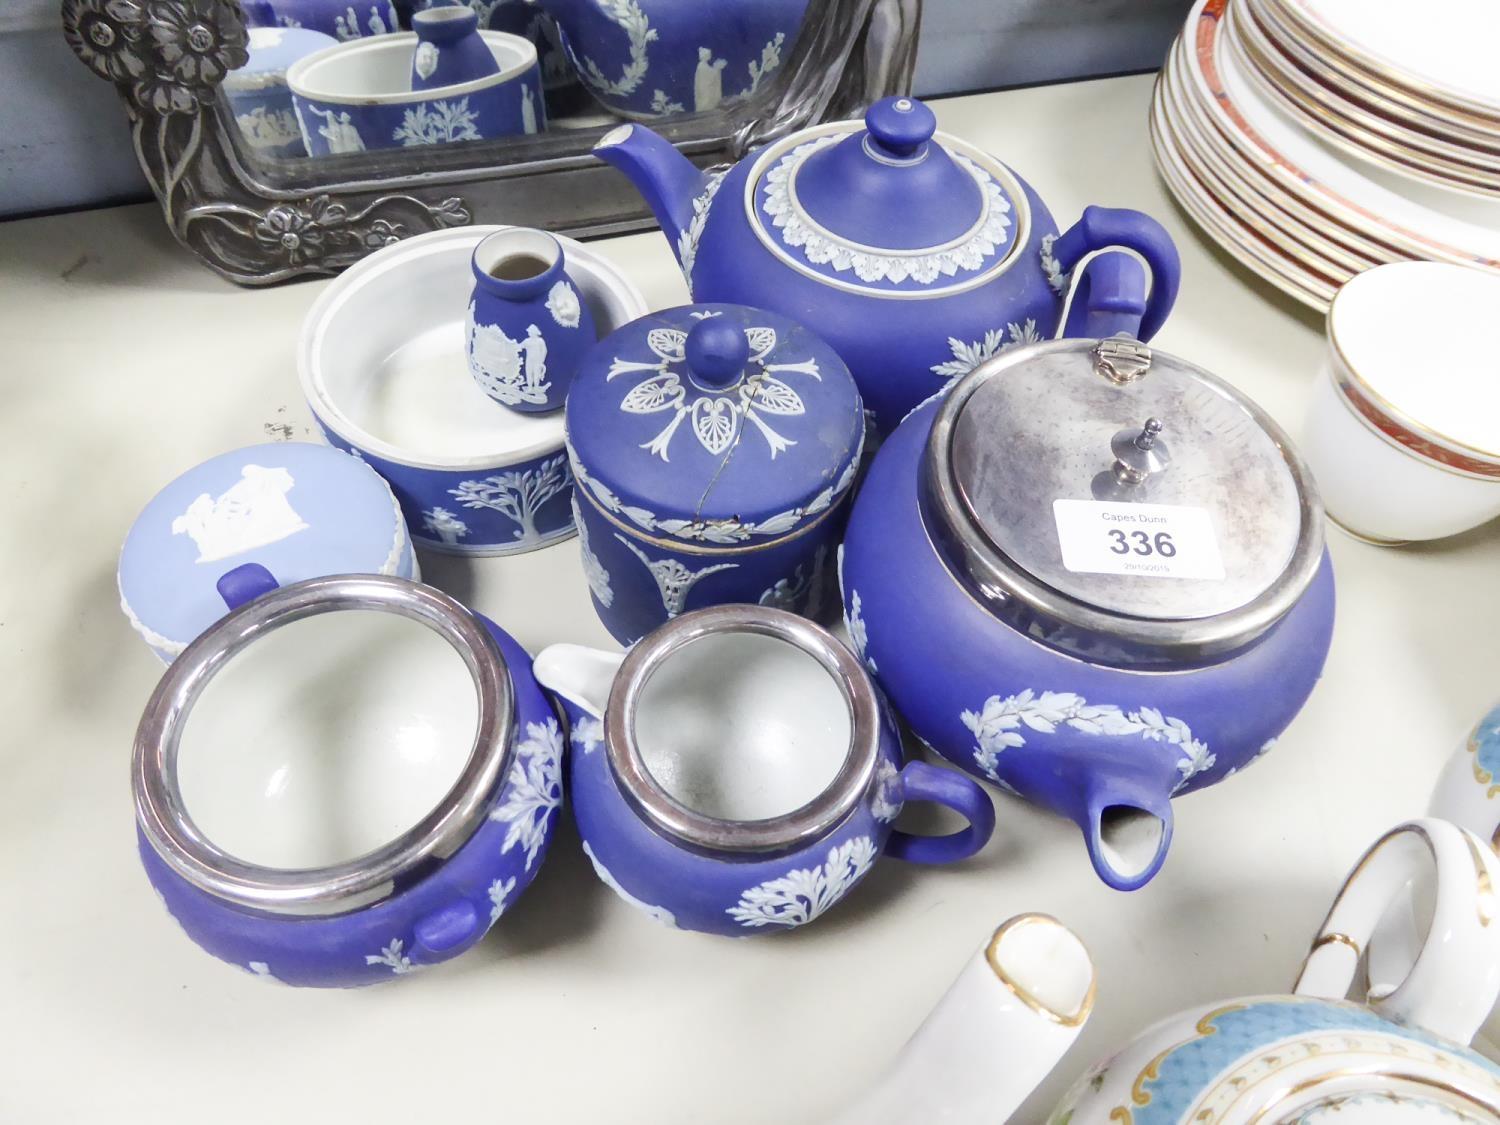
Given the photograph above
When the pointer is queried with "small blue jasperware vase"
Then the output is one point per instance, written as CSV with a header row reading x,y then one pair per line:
x,y
528,329
449,48
716,446
922,255
737,772
1094,575
338,847
298,509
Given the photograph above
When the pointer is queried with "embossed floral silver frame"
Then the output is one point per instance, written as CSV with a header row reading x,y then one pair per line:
x,y
258,221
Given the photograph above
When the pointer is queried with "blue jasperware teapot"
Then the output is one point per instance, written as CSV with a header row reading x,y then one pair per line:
x,y
915,254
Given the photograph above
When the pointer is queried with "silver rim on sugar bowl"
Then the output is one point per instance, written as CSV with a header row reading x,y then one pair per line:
x,y
802,825
160,810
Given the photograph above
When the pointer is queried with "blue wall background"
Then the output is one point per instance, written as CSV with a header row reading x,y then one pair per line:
x,y
64,141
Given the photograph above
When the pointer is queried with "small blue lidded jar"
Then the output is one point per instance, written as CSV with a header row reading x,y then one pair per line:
x,y
715,446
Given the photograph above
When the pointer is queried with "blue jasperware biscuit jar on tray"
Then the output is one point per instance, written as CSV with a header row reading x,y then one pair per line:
x,y
714,446
297,509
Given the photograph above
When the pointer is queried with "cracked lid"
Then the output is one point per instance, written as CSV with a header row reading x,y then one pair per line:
x,y
714,424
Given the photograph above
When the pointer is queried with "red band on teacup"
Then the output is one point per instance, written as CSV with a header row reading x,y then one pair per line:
x,y
1402,434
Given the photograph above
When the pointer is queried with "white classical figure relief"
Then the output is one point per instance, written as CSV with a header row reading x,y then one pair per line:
x,y
253,512
509,371
338,130
444,524
1001,724
801,895
593,570
425,61
708,81
518,494
966,357
393,958
674,580
499,893
533,789
264,128
439,122
528,110
563,304
714,419
665,917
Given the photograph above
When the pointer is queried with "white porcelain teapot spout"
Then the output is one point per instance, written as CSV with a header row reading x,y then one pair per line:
x,y
1001,1027
579,676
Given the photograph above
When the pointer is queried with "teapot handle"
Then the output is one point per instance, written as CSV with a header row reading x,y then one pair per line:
x,y
919,781
1111,289
1455,978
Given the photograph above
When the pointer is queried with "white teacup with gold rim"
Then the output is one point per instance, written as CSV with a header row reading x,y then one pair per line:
x,y
1403,426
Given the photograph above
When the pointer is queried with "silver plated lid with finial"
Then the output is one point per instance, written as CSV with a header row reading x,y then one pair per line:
x,y
1119,503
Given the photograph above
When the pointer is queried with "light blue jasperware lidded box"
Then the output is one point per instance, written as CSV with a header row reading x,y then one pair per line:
x,y
297,509
258,94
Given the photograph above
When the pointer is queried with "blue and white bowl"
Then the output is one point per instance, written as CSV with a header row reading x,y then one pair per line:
x,y
357,96
382,362
298,509
258,93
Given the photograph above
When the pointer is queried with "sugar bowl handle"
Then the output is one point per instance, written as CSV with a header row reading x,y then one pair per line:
x,y
919,781
1105,228
1455,977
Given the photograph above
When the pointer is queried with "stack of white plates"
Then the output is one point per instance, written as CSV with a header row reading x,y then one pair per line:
x,y
1303,206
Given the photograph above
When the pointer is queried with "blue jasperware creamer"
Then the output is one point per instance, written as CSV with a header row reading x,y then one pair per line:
x,y
714,447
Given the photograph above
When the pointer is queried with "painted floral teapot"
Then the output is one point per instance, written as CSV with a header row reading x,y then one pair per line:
x,y
915,254
1308,1058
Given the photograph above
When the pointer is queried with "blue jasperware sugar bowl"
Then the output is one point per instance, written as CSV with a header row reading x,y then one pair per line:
x,y
1093,574
737,772
298,509
715,446
915,254
345,780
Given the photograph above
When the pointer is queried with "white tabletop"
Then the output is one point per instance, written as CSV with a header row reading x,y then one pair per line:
x,y
125,362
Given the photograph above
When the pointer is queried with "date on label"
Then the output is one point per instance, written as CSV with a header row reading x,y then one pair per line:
x,y
1150,540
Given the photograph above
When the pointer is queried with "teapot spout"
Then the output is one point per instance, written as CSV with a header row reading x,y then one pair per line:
x,y
579,677
668,181
1128,835
1001,1027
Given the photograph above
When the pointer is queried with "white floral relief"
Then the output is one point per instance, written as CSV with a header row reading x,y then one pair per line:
x,y
253,512
627,14
563,304
593,570
499,893
854,620
1051,267
770,59
802,592
886,804
444,524
533,789
674,580
665,917
715,419
801,895
439,122
662,104
268,128
722,531
924,267
687,241
588,734
1001,724
518,494
966,357
393,958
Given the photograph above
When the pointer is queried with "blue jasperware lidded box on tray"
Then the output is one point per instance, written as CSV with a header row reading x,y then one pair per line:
x,y
715,446
298,509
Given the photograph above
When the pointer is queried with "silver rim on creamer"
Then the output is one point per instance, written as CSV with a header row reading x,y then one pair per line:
x,y
802,825
163,818
1275,537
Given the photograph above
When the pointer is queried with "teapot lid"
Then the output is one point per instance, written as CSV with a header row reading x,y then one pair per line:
x,y
1119,503
714,424
888,205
